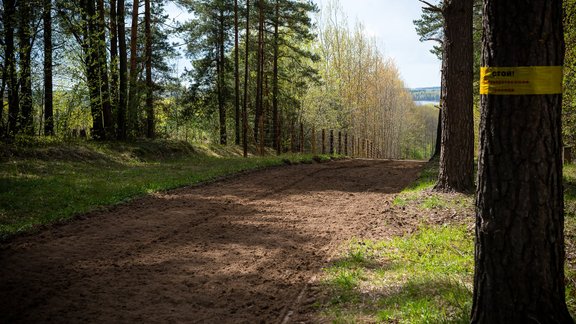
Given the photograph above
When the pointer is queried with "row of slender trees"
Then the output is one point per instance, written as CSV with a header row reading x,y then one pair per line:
x,y
106,69
111,72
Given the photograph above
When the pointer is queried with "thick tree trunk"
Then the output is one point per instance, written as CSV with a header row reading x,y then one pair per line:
x,y
246,75
133,93
25,44
275,122
519,274
48,82
123,73
236,76
457,150
150,122
11,80
103,71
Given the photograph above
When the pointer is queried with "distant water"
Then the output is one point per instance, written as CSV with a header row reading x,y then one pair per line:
x,y
422,103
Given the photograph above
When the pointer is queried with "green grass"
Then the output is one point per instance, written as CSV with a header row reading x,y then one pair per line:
x,y
570,234
46,182
425,277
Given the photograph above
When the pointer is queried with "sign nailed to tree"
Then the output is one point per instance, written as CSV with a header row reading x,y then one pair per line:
x,y
524,80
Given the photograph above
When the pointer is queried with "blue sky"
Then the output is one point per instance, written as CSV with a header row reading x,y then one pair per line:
x,y
390,22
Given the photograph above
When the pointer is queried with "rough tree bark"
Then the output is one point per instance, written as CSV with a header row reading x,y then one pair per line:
x,y
457,149
519,273
48,82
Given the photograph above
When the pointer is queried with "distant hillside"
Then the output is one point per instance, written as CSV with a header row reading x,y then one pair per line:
x,y
426,94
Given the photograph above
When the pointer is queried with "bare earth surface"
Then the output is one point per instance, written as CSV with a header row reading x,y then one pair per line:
x,y
242,250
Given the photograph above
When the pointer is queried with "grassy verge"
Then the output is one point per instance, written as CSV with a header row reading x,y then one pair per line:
x,y
425,276
48,182
570,234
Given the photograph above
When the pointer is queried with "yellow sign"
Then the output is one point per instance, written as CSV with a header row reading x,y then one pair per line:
x,y
523,80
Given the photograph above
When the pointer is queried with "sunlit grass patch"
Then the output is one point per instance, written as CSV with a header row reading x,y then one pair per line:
x,y
51,182
425,277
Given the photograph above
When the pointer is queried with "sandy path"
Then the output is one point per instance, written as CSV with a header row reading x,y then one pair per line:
x,y
236,251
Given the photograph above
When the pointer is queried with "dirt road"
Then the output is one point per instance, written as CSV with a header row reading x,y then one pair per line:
x,y
241,250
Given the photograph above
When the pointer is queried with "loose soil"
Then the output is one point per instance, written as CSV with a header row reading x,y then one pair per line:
x,y
241,250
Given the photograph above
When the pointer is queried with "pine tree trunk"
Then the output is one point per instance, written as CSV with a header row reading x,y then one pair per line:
x,y
11,80
275,124
259,70
123,75
236,76
246,75
103,71
48,88
89,47
519,274
457,150
114,59
133,92
221,80
149,85
25,44
2,91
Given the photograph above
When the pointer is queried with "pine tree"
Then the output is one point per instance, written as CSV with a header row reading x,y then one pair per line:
x,y
519,259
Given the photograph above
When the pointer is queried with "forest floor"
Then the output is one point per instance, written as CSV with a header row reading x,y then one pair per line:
x,y
246,249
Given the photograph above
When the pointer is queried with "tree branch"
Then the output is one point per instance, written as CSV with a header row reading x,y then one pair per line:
x,y
431,7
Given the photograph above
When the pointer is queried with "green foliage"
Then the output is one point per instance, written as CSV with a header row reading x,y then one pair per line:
x,y
425,277
51,181
569,96
419,132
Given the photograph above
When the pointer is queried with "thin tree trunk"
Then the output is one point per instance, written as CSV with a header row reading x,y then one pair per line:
x,y
103,71
123,75
221,80
149,85
519,273
114,59
48,87
236,76
2,90
457,150
259,70
24,40
133,92
275,123
246,75
12,82
92,74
